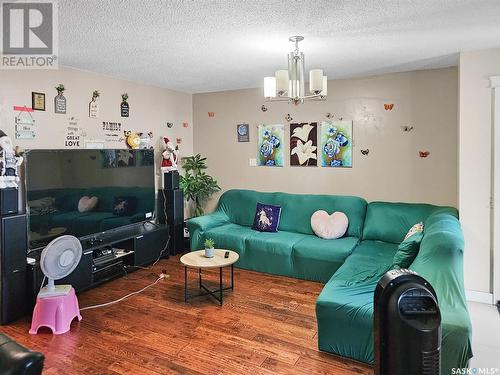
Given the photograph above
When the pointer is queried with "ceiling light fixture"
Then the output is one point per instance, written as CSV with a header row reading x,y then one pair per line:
x,y
289,85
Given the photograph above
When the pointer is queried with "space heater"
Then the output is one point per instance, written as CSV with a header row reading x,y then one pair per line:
x,y
407,325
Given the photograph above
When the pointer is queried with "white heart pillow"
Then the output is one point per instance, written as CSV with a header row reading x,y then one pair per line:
x,y
329,226
86,204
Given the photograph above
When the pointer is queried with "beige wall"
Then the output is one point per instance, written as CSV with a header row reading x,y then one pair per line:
x,y
150,107
475,163
393,170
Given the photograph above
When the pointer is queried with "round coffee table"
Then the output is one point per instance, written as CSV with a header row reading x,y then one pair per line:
x,y
197,259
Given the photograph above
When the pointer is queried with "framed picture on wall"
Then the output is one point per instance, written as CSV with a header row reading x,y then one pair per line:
x,y
38,101
243,132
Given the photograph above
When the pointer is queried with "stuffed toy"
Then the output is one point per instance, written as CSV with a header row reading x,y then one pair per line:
x,y
146,140
133,140
9,163
170,155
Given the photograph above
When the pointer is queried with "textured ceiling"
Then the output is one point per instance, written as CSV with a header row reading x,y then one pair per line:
x,y
212,45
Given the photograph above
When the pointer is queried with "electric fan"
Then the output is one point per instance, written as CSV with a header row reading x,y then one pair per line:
x,y
58,260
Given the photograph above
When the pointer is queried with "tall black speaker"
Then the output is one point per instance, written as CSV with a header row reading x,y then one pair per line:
x,y
170,207
407,325
13,248
8,201
170,211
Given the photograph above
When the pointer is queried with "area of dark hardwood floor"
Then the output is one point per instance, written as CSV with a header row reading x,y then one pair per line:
x,y
266,326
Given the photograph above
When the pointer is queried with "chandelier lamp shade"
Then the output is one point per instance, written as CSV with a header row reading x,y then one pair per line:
x,y
289,85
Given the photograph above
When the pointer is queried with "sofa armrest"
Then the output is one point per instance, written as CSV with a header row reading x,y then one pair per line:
x,y
200,224
206,222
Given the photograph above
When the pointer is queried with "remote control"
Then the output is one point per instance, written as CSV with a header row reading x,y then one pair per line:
x,y
226,255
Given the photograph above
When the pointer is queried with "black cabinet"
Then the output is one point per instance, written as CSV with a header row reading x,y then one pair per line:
x,y
109,255
81,277
148,246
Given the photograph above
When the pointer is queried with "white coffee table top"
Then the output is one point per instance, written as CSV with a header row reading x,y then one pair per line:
x,y
197,259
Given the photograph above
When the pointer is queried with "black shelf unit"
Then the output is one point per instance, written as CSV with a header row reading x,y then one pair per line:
x,y
141,244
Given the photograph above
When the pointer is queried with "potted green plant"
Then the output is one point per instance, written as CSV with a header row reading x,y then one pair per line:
x,y
196,185
209,248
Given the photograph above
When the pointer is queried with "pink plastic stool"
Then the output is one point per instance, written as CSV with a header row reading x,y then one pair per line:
x,y
56,313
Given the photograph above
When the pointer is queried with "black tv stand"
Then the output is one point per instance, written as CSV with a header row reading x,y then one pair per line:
x,y
111,254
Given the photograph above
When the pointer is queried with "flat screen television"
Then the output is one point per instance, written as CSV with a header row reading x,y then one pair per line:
x,y
82,192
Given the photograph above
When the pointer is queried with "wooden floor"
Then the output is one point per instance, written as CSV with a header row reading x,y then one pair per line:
x,y
266,326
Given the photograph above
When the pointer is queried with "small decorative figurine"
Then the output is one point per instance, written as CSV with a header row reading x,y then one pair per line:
x,y
133,140
9,163
146,140
170,156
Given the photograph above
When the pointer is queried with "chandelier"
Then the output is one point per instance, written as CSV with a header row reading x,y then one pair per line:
x,y
289,85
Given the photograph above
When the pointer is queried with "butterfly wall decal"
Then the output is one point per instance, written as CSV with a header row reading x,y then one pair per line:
x,y
365,152
263,108
388,107
424,154
288,117
407,128
211,114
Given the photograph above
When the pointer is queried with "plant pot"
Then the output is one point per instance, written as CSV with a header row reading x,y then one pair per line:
x,y
209,252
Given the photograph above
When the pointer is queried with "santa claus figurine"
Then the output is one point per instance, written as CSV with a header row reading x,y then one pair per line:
x,y
170,156
9,163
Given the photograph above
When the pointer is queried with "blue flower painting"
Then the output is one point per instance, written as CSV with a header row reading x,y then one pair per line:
x,y
336,144
270,145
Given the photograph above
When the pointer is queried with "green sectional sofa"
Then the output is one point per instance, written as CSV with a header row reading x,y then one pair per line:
x,y
350,266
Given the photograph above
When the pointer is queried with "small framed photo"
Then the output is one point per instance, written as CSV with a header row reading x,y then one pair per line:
x,y
243,132
38,101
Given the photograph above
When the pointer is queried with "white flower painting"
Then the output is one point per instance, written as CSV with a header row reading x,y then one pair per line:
x,y
303,144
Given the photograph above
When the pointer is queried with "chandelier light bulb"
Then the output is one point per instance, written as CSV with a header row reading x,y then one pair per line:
x,y
316,81
282,82
324,91
288,84
270,87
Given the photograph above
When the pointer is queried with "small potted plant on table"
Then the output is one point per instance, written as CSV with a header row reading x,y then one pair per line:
x,y
209,248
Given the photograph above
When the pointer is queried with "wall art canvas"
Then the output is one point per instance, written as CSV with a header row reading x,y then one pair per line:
x,y
304,144
243,132
270,145
336,144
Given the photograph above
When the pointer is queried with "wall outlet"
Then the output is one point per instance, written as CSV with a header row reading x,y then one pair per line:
x,y
252,162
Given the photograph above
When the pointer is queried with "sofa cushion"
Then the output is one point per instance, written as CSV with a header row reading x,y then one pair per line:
x,y
408,249
270,252
296,209
389,222
230,236
328,226
317,259
368,260
345,320
267,218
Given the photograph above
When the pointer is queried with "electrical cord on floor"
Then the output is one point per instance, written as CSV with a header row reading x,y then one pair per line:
x,y
161,277
165,249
